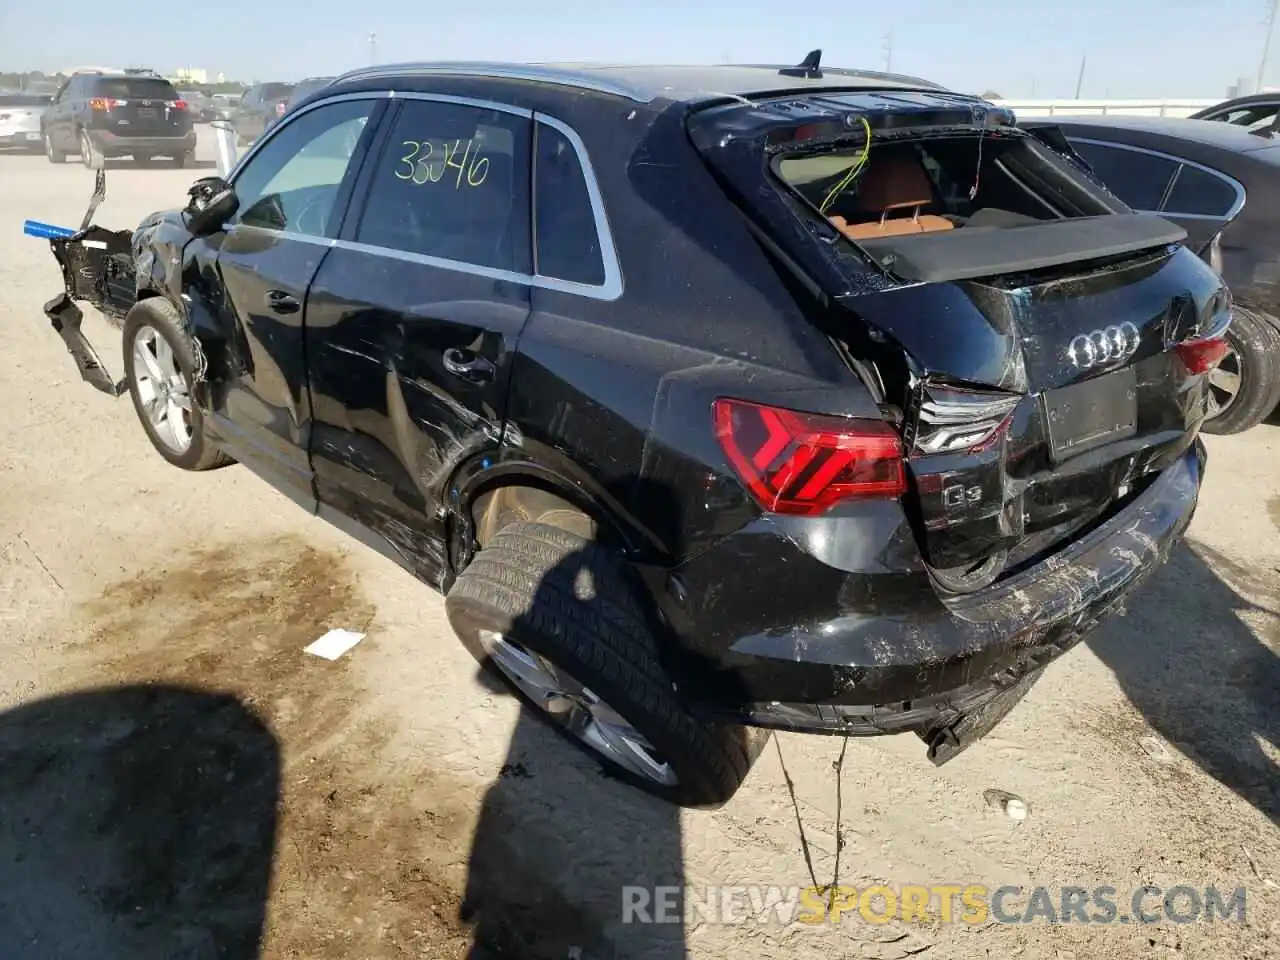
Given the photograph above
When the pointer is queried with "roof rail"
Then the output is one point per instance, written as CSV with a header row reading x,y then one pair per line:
x,y
535,73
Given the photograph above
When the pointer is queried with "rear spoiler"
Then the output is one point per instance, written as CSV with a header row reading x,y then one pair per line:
x,y
990,251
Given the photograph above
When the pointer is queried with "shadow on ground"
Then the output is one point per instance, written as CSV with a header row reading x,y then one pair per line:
x,y
559,841
540,892
1198,674
135,822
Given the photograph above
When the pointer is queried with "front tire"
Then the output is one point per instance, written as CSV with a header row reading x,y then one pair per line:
x,y
1245,386
159,367
556,617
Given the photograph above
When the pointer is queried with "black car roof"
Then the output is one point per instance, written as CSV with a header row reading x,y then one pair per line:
x,y
647,83
1252,99
1209,133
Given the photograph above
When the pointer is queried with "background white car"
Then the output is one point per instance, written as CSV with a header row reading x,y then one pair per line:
x,y
20,120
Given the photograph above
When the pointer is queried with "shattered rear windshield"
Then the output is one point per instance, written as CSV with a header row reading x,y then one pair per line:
x,y
956,176
142,88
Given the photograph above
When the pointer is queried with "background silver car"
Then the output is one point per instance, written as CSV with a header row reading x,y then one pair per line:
x,y
20,120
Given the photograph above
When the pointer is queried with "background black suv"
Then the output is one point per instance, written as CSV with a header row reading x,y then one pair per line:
x,y
118,115
260,106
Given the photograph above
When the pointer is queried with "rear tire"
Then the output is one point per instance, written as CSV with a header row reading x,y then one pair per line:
x,y
564,599
184,160
1251,368
88,152
156,316
51,152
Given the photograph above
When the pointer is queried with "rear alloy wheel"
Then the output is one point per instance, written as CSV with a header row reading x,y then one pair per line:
x,y
558,619
51,152
88,153
159,369
1245,386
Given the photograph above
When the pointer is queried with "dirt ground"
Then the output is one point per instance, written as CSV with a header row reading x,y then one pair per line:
x,y
178,779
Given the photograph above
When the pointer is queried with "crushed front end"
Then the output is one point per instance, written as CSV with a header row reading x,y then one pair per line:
x,y
97,268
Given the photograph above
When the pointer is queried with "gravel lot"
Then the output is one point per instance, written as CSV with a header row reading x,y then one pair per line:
x,y
180,780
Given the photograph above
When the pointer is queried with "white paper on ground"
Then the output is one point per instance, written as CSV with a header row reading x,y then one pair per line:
x,y
335,643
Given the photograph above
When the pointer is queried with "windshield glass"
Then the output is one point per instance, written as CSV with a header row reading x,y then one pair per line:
x,y
276,91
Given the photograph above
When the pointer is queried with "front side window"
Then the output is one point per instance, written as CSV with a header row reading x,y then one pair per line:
x,y
568,241
452,182
1135,176
292,182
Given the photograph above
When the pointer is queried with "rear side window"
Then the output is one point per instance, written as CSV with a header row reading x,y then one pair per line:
x,y
275,91
568,243
452,183
1135,176
134,88
1197,192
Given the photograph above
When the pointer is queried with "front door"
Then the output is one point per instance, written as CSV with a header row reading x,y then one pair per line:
x,y
252,288
413,320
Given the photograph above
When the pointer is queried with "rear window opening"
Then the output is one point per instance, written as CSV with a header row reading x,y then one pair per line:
x,y
966,205
934,184
134,88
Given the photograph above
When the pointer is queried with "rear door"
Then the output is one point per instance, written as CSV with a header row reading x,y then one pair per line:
x,y
413,319
254,280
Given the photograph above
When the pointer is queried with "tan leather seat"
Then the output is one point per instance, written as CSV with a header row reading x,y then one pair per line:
x,y
896,187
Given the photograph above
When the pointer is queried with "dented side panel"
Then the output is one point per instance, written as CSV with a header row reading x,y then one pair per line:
x,y
392,422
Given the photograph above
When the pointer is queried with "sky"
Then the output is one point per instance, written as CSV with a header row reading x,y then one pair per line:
x,y
1133,48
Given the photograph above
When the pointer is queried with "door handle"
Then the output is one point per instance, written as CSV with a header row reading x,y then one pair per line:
x,y
468,365
280,302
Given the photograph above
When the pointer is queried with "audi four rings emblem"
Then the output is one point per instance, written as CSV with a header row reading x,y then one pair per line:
x,y
1117,342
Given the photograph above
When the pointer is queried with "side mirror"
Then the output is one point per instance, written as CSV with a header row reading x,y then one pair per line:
x,y
211,202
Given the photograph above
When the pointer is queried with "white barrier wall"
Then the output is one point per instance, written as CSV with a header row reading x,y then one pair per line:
x,y
1123,108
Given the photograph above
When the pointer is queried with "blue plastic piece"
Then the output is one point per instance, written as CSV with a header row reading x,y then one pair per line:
x,y
45,231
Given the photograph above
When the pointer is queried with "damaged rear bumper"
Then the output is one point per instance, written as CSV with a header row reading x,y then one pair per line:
x,y
949,671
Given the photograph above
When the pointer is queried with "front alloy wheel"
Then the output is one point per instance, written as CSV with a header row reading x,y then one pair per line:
x,y
162,389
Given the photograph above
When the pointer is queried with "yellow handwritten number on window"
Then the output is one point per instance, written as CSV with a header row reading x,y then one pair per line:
x,y
417,167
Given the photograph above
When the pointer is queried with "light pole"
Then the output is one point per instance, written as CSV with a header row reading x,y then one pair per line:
x,y
373,49
1266,44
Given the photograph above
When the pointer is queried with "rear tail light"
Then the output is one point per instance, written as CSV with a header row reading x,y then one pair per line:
x,y
1208,346
1201,356
279,109
947,418
176,104
803,463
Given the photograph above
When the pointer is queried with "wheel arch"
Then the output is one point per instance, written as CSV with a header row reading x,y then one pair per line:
x,y
494,488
